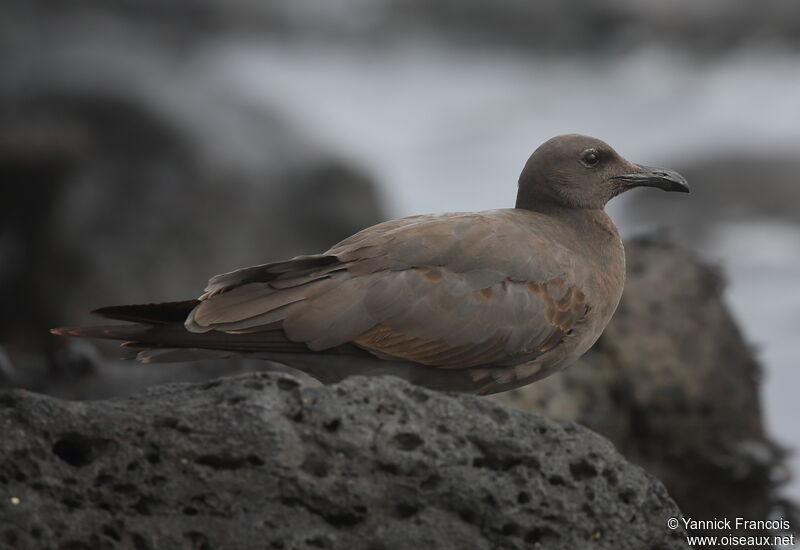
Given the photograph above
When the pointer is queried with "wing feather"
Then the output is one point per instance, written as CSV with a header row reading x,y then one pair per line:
x,y
452,290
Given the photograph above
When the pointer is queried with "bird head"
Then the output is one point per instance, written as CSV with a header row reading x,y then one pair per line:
x,y
576,171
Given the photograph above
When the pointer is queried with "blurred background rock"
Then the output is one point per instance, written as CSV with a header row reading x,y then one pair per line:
x,y
147,145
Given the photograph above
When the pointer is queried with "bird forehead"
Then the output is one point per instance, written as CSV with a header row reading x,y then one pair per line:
x,y
575,142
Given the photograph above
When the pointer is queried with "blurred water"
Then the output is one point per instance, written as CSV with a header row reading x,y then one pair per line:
x,y
447,130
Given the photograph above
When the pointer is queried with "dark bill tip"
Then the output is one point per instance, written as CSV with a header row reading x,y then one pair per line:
x,y
647,176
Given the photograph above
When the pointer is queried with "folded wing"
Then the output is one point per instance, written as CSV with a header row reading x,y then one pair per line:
x,y
453,290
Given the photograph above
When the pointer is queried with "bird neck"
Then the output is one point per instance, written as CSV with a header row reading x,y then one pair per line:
x,y
528,198
578,221
603,221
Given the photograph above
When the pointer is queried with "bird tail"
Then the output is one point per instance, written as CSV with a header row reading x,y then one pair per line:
x,y
109,332
157,335
157,329
157,314
148,328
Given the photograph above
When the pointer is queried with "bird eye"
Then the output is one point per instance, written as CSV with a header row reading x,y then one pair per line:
x,y
590,158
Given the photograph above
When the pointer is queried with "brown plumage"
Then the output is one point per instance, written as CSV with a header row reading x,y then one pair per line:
x,y
480,302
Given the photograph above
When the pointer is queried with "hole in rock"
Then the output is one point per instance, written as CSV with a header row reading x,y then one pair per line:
x,y
408,441
582,469
78,450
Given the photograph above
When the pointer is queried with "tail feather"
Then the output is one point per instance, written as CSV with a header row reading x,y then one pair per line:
x,y
176,336
158,328
158,314
179,355
110,332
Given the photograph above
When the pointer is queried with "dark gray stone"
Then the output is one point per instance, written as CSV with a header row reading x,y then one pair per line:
x,y
673,384
264,461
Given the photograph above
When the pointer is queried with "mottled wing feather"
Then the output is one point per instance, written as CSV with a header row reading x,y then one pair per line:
x,y
452,290
299,270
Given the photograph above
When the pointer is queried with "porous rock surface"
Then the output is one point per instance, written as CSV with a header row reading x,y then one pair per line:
x,y
265,461
675,386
